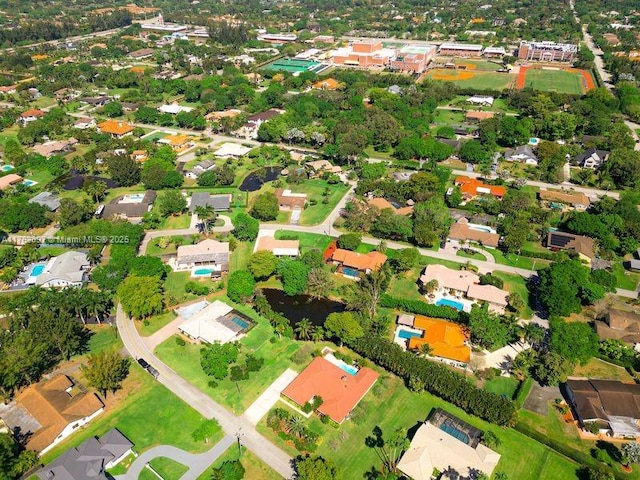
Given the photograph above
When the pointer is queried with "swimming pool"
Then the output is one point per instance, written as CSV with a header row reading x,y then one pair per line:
x,y
6,168
445,302
240,322
455,433
351,272
350,369
481,228
534,141
406,334
30,183
37,270
132,198
202,272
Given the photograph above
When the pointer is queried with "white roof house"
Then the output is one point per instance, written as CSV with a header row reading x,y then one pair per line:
x,y
174,109
432,448
280,248
481,100
206,325
230,149
66,270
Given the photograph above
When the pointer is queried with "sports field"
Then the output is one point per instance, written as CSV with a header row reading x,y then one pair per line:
x,y
295,65
479,79
551,79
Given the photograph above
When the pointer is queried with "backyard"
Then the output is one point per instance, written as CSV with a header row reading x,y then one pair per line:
x,y
255,469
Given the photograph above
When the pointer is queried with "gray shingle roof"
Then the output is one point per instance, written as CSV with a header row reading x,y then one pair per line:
x,y
47,199
218,202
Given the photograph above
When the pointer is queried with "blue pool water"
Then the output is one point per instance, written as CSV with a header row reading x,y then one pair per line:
x,y
6,168
352,272
203,271
350,369
445,302
406,334
29,183
240,322
480,228
37,270
455,433
534,141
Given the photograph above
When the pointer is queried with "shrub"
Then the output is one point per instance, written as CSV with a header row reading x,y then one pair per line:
x,y
349,241
212,383
419,307
180,341
253,363
196,288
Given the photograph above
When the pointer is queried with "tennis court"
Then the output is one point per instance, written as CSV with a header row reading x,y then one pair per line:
x,y
294,65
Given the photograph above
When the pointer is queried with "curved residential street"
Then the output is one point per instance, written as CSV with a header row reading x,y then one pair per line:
x,y
235,426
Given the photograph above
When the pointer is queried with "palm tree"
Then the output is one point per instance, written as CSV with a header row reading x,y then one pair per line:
x,y
96,190
318,334
304,329
425,349
207,214
295,426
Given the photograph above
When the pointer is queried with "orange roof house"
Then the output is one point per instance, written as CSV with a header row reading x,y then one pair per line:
x,y
9,180
326,84
470,188
57,407
382,204
115,128
446,339
362,262
339,390
178,142
475,116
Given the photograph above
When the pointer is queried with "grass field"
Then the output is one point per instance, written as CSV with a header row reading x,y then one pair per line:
x,y
404,285
597,368
449,116
522,458
560,81
185,360
314,214
482,80
168,468
240,256
502,386
516,284
471,255
255,469
155,323
148,414
307,240
625,279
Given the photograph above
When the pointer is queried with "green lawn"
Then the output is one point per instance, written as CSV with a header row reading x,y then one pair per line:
x,y
167,468
186,361
373,153
7,133
314,214
502,386
307,240
483,80
596,368
391,405
449,116
103,337
174,285
625,279
240,256
148,414
404,285
472,255
255,469
559,81
175,222
516,284
155,323
514,260
154,250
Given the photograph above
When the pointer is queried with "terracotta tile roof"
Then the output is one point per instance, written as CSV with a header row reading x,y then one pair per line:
x,y
472,187
459,280
360,261
32,113
273,245
326,84
488,293
446,339
176,140
340,391
113,127
54,408
574,198
382,204
9,180
461,231
474,115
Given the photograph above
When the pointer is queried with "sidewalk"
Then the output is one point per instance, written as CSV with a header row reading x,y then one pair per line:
x,y
269,397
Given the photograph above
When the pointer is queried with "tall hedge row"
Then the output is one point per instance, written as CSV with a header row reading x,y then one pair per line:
x,y
421,308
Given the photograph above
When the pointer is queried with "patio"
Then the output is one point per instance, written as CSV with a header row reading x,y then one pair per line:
x,y
442,296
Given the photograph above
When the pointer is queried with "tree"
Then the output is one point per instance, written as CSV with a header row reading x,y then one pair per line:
x,y
245,227
575,341
206,430
319,282
304,329
368,291
14,461
141,297
95,189
315,468
105,371
265,207
630,452
294,275
389,449
229,470
19,215
600,473
488,329
240,286
352,143
123,170
72,213
208,215
113,109
431,220
551,369
262,264
343,326
534,333
216,358
473,151
406,258
13,152
148,266
171,202
623,166
349,241
392,226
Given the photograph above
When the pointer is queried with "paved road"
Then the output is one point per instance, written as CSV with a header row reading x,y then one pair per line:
x,y
207,407
148,236
77,38
197,463
635,128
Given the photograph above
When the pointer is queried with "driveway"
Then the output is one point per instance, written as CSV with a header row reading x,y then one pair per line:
x,y
501,358
539,397
197,463
269,397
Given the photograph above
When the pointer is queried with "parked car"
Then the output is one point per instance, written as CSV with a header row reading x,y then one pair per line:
x,y
154,373
143,363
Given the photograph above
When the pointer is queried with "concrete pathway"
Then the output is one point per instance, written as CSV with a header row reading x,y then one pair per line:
x,y
234,425
155,339
269,397
501,358
197,463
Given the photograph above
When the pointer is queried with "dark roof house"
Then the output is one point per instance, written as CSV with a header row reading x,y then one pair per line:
x,y
130,207
90,459
592,158
619,325
608,402
220,203
47,199
583,246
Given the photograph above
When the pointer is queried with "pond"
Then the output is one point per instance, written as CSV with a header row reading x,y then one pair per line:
x,y
301,306
75,181
257,178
